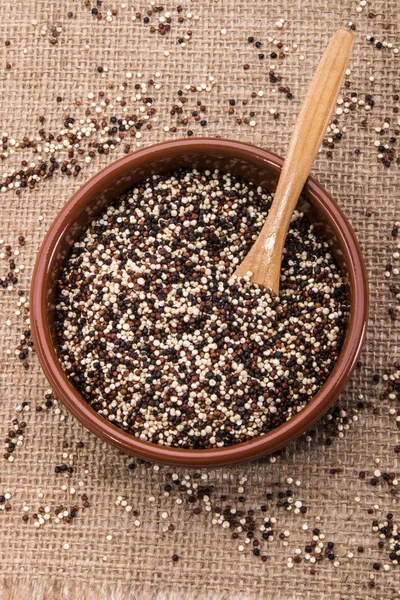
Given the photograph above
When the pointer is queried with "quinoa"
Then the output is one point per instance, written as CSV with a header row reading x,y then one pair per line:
x,y
160,337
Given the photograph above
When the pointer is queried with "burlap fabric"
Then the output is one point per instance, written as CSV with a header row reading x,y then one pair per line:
x,y
34,563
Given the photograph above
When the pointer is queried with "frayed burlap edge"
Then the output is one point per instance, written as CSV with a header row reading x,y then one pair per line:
x,y
27,588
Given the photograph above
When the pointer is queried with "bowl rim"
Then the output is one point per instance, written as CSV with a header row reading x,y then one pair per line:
x,y
260,445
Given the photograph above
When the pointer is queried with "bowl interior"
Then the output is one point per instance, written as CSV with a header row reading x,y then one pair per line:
x,y
252,164
248,167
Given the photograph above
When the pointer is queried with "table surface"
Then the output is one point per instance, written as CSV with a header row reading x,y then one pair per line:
x,y
61,68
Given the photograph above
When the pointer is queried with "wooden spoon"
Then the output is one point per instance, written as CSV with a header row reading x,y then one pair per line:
x,y
265,256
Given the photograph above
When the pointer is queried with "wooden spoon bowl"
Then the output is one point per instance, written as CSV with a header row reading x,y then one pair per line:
x,y
248,162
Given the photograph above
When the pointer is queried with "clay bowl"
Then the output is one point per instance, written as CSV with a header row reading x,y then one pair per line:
x,y
252,163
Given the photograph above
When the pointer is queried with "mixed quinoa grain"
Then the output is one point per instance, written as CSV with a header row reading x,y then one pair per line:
x,y
163,341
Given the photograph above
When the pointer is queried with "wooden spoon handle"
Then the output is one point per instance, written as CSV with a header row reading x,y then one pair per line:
x,y
264,258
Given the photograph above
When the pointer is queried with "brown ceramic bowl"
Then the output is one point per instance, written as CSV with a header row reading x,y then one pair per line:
x,y
252,163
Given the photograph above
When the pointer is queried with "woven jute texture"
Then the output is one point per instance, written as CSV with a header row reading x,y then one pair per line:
x,y
136,563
